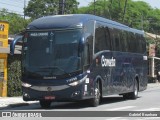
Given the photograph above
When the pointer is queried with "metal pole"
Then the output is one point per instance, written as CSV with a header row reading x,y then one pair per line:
x,y
24,9
61,7
104,8
63,2
152,67
124,12
94,8
142,21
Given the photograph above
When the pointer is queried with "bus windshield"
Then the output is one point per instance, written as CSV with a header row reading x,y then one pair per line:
x,y
52,52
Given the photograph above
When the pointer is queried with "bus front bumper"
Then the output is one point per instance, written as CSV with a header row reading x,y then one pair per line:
x,y
50,93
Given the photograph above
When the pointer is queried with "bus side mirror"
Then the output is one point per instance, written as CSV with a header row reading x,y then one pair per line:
x,y
13,43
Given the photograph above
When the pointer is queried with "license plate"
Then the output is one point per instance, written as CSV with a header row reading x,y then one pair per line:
x,y
49,97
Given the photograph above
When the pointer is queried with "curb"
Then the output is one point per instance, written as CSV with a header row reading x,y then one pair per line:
x,y
152,85
18,105
14,105
12,102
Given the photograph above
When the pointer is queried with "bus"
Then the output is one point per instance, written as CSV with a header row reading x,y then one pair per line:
x,y
81,57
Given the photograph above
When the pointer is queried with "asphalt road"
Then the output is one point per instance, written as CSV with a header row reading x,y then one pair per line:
x,y
149,100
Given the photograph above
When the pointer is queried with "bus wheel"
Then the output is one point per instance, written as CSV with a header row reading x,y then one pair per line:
x,y
126,96
134,94
96,100
45,104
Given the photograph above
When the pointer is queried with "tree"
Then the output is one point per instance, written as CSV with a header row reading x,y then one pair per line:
x,y
71,6
16,22
39,8
136,14
154,21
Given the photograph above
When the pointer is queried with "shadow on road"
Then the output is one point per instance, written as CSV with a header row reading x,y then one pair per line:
x,y
64,105
85,103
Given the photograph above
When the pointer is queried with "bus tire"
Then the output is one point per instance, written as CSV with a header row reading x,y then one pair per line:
x,y
134,94
45,104
94,102
126,96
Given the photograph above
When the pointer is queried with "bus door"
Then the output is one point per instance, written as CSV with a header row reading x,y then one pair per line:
x,y
108,64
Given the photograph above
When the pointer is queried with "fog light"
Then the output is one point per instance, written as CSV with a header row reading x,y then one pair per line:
x,y
26,95
75,93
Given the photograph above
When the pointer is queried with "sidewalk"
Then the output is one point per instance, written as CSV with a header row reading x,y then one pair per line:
x,y
7,102
151,85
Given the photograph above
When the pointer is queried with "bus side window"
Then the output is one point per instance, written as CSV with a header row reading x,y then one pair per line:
x,y
123,40
133,47
86,56
129,42
100,39
136,44
107,38
126,41
139,44
116,40
143,44
88,36
112,38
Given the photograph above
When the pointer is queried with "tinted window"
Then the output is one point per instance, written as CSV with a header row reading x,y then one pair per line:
x,y
143,44
88,36
123,39
58,50
116,43
133,46
102,38
107,37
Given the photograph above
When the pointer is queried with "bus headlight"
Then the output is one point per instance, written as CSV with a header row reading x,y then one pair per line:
x,y
74,83
78,82
26,85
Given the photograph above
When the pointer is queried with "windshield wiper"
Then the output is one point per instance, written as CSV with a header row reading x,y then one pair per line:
x,y
54,67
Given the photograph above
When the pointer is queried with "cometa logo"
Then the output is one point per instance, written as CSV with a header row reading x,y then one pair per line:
x,y
108,62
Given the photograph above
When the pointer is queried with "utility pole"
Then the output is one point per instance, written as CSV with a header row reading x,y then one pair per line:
x,y
142,20
61,6
94,7
24,9
125,6
110,9
104,8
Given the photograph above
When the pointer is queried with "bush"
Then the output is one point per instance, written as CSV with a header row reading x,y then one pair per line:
x,y
14,76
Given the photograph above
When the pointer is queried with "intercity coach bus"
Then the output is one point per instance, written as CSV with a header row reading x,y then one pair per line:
x,y
81,57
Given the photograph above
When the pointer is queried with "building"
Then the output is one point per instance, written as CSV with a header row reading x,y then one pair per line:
x,y
152,54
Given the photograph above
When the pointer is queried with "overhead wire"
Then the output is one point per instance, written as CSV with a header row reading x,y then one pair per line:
x,y
10,12
16,2
9,4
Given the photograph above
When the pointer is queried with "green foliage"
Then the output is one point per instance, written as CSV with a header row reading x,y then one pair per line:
x,y
16,22
14,76
39,8
137,14
154,21
71,7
